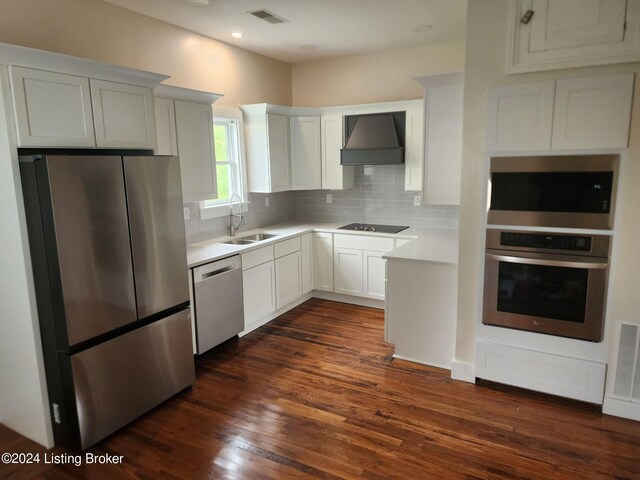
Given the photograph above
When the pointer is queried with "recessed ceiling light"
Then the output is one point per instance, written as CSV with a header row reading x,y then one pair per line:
x,y
309,46
423,28
198,2
236,35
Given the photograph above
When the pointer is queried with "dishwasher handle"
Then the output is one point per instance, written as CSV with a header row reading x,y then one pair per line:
x,y
205,272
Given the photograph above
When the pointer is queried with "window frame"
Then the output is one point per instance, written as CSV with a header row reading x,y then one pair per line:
x,y
222,209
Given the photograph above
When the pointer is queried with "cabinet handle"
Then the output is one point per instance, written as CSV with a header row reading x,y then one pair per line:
x,y
526,18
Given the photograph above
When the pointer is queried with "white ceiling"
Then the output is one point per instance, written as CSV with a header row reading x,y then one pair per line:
x,y
337,27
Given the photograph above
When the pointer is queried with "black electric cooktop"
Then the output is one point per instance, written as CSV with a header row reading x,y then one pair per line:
x,y
372,227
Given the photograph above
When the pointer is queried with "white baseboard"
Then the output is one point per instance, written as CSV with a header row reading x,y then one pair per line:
x,y
621,408
338,297
413,360
463,371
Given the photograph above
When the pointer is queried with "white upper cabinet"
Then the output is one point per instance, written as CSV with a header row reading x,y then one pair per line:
x,y
552,34
305,153
194,132
334,175
123,115
520,117
568,114
592,112
52,109
443,137
184,123
414,147
267,141
165,126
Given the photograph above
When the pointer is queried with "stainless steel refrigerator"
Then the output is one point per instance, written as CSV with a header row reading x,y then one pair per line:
x,y
107,245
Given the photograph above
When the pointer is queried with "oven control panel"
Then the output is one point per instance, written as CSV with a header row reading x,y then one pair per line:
x,y
574,243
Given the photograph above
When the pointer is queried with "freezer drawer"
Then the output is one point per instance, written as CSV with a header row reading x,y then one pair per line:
x,y
121,379
219,311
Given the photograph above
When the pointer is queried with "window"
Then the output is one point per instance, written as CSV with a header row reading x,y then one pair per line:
x,y
226,136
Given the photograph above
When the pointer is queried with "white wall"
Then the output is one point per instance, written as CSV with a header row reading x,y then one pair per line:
x,y
486,53
23,392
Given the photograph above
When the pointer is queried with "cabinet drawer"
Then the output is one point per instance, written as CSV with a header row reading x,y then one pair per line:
x,y
257,257
363,242
286,247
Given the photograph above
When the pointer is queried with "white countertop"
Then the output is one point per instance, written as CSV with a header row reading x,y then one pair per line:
x,y
426,245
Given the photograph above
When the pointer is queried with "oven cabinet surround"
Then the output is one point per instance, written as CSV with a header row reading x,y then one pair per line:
x,y
440,181
54,109
561,375
560,115
563,34
184,121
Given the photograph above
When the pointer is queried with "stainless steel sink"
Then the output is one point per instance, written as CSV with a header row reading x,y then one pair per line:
x,y
249,239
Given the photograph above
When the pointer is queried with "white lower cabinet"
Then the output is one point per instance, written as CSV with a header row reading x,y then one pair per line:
x,y
288,279
348,271
373,275
259,292
323,261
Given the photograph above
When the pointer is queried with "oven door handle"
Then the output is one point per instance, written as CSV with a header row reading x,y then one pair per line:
x,y
559,261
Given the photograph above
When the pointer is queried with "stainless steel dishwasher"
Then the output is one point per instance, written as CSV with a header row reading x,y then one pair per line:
x,y
219,311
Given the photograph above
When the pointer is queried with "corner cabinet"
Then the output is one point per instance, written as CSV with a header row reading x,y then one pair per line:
x,y
322,252
555,34
567,114
59,110
184,120
304,135
266,129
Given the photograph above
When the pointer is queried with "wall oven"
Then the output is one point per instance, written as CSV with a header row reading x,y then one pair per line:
x,y
547,282
554,191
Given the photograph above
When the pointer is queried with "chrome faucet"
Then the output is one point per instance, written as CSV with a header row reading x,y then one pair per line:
x,y
232,226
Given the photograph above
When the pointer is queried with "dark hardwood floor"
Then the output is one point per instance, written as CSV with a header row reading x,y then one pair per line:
x,y
316,394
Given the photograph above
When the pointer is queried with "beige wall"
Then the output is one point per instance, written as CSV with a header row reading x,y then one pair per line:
x,y
371,78
102,31
484,66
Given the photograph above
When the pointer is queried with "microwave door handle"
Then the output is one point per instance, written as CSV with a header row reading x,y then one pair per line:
x,y
560,261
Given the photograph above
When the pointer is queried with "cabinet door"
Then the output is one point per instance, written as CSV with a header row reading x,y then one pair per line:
x,y
347,266
323,261
165,126
52,110
414,151
259,292
194,129
334,175
305,153
123,115
374,275
444,145
288,279
572,33
306,253
520,117
593,112
278,146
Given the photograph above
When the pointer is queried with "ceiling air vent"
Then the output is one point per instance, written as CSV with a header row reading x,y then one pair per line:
x,y
267,16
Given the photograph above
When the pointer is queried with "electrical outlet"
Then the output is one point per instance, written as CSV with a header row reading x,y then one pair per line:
x,y
417,201
266,201
329,199
187,214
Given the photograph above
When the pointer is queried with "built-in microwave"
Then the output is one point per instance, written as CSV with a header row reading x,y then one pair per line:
x,y
575,191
